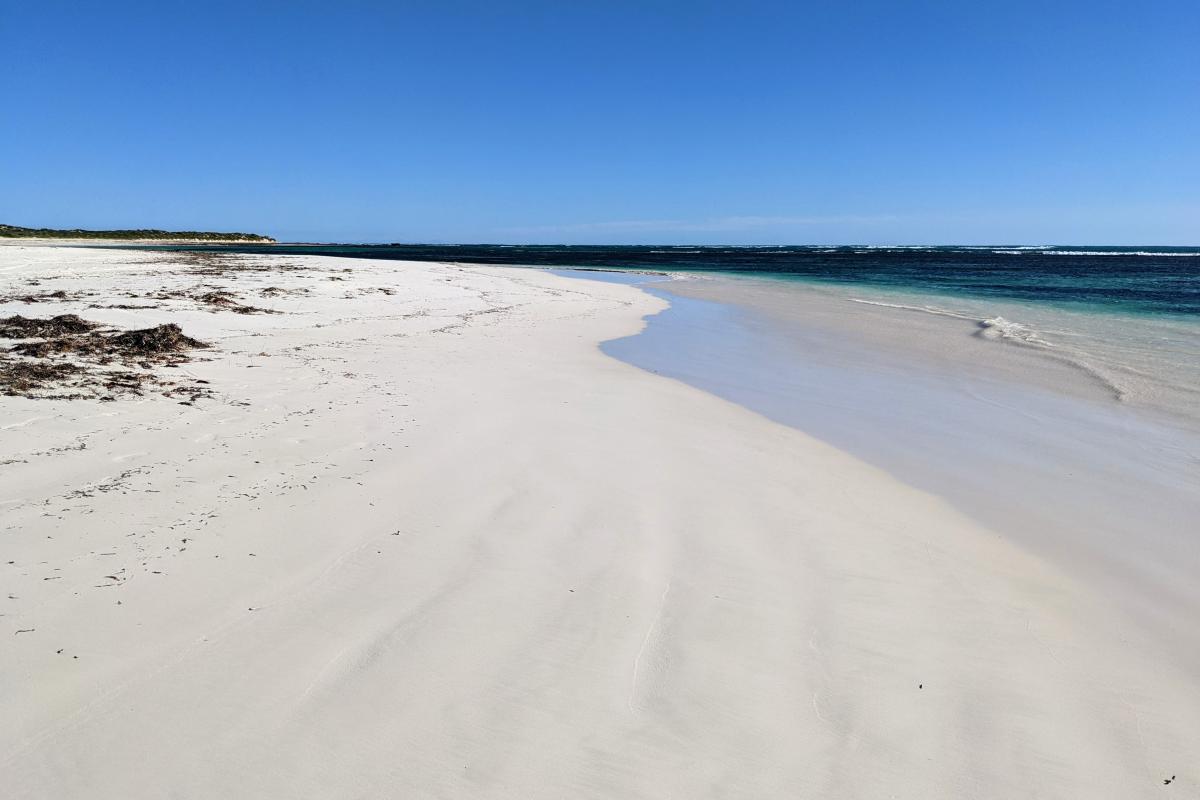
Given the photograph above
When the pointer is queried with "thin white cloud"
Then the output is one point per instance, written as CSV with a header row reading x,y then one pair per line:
x,y
716,224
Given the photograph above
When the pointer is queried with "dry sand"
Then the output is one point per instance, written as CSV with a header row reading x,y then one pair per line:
x,y
424,539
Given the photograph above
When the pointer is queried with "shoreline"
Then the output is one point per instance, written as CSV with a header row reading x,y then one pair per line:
x,y
427,538
1058,349
1106,490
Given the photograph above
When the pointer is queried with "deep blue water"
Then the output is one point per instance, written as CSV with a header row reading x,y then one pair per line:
x,y
1147,280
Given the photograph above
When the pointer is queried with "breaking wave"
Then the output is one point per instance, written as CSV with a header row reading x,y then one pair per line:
x,y
999,329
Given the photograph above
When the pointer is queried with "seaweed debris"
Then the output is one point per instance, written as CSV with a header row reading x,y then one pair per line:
x,y
228,301
164,343
18,327
215,299
276,291
22,378
42,297
40,367
159,341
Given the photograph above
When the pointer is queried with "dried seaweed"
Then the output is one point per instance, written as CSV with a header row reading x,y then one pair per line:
x,y
18,327
60,295
39,368
19,378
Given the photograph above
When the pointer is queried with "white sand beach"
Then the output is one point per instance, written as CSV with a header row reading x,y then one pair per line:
x,y
417,536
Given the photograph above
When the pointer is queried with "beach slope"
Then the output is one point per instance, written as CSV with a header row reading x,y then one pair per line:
x,y
415,535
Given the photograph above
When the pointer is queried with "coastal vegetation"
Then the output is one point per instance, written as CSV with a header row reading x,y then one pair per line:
x,y
17,232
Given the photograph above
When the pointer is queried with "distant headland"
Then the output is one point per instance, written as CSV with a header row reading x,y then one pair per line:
x,y
17,232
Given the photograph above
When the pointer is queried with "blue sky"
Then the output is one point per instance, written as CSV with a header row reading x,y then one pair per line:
x,y
650,122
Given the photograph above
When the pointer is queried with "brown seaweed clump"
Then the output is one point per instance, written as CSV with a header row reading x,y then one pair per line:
x,y
227,301
151,342
21,378
163,343
218,298
40,367
18,327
